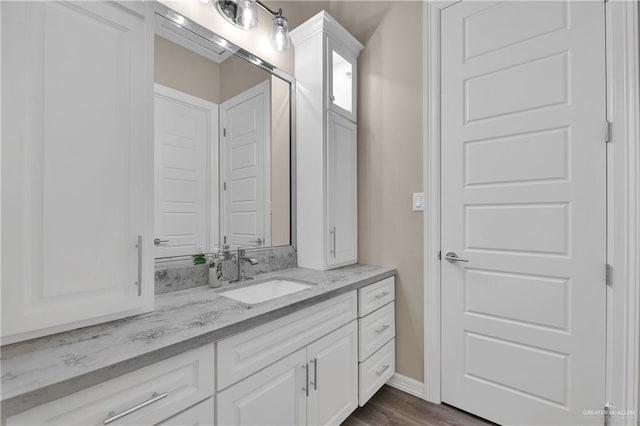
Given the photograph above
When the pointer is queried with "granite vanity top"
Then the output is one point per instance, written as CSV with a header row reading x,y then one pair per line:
x,y
40,370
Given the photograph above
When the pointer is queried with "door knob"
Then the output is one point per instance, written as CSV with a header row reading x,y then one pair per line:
x,y
453,257
158,241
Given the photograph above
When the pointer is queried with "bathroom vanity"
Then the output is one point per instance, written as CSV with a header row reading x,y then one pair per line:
x,y
310,357
151,173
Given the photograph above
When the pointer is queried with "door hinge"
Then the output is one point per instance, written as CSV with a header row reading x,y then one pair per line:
x,y
225,239
607,274
440,255
606,413
607,131
224,186
224,132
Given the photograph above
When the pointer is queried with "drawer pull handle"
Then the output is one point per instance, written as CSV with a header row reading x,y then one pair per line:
x,y
383,328
381,295
140,258
382,370
315,373
306,379
155,397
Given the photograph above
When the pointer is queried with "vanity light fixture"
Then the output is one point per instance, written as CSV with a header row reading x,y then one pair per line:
x,y
244,14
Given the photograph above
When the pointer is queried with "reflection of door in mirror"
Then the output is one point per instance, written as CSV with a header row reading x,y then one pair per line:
x,y
186,144
201,91
245,168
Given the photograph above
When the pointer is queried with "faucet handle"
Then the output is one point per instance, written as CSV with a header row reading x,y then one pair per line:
x,y
224,253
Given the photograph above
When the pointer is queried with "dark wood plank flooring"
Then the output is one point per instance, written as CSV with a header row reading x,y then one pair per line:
x,y
391,407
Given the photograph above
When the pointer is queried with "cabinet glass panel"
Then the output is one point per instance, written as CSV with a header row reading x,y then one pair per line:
x,y
342,71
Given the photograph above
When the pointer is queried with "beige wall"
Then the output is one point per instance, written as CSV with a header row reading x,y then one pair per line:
x,y
183,70
280,164
238,75
390,157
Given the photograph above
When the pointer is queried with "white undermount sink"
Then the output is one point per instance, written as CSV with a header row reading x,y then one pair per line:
x,y
263,291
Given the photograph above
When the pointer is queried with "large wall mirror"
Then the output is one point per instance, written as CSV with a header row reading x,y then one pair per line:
x,y
223,143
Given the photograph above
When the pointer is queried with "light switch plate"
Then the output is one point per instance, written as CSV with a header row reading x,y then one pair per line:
x,y
418,201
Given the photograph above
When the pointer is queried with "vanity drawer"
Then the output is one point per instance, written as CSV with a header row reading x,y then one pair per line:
x,y
245,353
151,394
375,330
375,296
200,414
376,371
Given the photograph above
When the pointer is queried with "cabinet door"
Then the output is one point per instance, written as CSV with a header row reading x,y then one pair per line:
x,y
77,164
333,369
342,87
342,192
273,396
201,414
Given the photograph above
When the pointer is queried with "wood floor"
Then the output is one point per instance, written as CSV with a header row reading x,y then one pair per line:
x,y
393,407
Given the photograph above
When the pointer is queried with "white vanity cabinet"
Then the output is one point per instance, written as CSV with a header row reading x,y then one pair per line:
x,y
77,171
150,395
376,336
311,367
316,383
326,110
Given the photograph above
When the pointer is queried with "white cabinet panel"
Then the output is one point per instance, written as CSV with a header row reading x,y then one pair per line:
x,y
376,329
166,388
376,371
77,173
273,396
202,414
333,371
342,191
375,296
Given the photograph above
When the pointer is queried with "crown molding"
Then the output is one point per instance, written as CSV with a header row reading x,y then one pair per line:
x,y
325,23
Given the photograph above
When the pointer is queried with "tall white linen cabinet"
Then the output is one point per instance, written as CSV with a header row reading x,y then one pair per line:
x,y
326,143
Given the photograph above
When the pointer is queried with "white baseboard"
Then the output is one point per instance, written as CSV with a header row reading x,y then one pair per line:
x,y
407,384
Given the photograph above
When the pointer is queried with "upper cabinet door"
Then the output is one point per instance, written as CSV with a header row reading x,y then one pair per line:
x,y
342,191
342,87
77,164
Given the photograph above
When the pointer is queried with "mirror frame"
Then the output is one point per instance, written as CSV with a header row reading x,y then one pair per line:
x,y
201,31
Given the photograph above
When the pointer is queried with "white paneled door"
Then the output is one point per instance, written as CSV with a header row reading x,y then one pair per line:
x,y
186,173
523,207
245,168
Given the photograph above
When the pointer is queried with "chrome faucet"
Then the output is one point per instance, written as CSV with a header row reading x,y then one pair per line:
x,y
239,258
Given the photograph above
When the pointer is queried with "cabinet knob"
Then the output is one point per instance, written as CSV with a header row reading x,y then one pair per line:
x,y
158,241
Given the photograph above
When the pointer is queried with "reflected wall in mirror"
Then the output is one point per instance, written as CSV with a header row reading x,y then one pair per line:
x,y
222,148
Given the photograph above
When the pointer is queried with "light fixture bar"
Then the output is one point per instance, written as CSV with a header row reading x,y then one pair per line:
x,y
244,14
269,10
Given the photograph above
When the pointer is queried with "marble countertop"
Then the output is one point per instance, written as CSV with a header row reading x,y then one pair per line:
x,y
41,370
